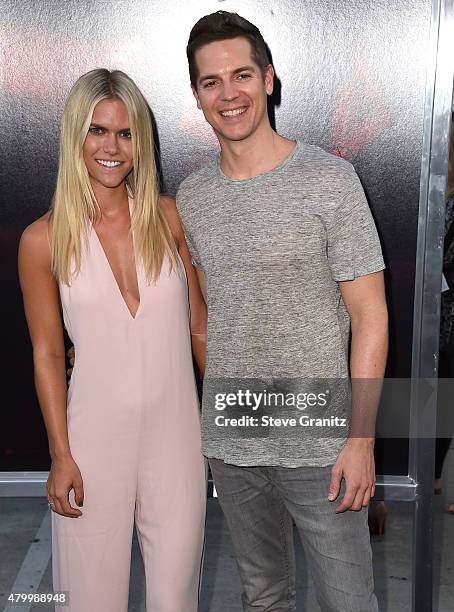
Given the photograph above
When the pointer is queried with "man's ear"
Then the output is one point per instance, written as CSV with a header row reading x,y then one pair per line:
x,y
269,79
194,93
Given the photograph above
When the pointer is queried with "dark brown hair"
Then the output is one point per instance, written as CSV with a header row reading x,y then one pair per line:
x,y
222,26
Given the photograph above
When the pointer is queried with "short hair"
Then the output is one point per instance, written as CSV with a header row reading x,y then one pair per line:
x,y
223,26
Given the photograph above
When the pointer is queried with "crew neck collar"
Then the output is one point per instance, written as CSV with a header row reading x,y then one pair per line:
x,y
262,175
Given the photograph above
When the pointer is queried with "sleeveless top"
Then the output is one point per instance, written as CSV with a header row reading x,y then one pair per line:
x,y
126,366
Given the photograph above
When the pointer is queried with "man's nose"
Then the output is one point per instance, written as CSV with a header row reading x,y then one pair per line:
x,y
229,91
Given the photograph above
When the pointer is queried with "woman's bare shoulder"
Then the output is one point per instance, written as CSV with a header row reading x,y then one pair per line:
x,y
35,238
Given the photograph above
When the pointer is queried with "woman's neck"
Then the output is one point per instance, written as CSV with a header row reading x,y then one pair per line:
x,y
111,200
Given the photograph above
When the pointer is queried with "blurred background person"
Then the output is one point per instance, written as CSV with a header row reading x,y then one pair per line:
x,y
446,351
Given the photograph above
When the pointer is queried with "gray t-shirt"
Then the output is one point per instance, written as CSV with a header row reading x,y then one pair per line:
x,y
273,248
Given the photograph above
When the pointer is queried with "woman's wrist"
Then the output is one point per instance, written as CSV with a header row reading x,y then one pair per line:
x,y
60,452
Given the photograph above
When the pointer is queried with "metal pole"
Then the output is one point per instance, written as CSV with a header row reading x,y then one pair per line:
x,y
429,261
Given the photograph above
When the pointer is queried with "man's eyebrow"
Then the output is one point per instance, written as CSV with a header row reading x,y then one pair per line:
x,y
206,77
244,69
103,127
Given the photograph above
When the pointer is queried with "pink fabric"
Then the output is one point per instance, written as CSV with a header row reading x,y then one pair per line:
x,y
134,431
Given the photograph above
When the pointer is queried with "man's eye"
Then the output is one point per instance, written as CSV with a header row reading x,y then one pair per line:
x,y
209,84
243,76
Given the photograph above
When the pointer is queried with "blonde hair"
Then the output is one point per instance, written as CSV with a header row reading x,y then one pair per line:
x,y
451,163
74,204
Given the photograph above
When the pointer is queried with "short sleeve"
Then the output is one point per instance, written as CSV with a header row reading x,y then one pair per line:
x,y
182,211
353,244
195,259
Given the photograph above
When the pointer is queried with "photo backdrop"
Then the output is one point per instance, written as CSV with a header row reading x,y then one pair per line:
x,y
351,79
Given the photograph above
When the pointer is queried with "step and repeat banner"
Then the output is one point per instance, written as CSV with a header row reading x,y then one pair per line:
x,y
350,76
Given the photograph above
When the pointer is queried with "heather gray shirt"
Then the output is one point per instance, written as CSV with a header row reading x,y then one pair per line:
x,y
273,249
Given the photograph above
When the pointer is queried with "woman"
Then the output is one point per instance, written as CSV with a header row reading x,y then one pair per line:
x,y
125,439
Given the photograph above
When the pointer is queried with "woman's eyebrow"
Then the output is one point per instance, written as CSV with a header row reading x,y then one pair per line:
x,y
99,125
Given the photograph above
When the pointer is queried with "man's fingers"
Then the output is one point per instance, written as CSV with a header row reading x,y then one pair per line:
x,y
72,357
366,498
334,486
355,498
358,501
347,500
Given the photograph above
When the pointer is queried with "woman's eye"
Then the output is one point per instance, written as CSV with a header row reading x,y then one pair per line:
x,y
95,130
126,134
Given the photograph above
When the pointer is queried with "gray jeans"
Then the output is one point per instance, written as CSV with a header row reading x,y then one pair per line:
x,y
260,505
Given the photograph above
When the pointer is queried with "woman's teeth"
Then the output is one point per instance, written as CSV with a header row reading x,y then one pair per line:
x,y
108,164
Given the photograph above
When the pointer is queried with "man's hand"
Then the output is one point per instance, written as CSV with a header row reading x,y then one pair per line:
x,y
356,465
72,358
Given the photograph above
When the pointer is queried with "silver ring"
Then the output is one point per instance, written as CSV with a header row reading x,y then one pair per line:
x,y
50,503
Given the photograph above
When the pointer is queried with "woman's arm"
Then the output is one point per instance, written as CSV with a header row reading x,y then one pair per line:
x,y
42,310
197,305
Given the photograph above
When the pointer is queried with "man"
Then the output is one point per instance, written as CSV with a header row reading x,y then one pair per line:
x,y
283,240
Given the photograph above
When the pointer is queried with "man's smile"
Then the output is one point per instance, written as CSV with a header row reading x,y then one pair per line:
x,y
234,112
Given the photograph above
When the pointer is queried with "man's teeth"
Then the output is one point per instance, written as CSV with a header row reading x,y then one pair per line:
x,y
108,164
232,113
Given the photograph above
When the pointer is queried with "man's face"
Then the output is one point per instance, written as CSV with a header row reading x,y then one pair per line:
x,y
231,89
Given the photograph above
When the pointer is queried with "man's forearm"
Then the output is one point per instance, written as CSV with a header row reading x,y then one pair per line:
x,y
369,351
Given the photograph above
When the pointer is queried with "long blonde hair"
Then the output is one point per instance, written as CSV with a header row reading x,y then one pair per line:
x,y
74,204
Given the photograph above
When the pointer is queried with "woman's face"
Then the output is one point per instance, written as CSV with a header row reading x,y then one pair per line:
x,y
107,149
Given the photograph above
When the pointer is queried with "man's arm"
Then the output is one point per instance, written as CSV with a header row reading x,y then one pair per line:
x,y
199,331
197,304
365,301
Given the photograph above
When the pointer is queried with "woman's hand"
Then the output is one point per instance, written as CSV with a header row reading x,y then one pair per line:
x,y
65,475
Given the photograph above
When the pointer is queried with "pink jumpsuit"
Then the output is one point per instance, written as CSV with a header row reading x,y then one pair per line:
x,y
134,432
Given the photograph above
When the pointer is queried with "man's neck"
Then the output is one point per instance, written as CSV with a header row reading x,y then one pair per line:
x,y
259,153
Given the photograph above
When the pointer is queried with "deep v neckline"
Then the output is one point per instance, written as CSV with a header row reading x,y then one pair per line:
x,y
132,317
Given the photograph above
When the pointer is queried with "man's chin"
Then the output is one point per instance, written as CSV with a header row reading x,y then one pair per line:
x,y
233,136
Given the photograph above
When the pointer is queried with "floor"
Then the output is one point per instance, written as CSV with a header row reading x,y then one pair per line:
x,y
26,567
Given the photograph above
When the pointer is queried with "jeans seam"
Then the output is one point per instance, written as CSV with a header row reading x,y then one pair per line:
x,y
286,552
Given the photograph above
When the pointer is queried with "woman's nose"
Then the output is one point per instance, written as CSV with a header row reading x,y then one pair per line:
x,y
110,144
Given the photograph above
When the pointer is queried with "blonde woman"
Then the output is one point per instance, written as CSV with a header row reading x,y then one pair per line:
x,y
125,439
